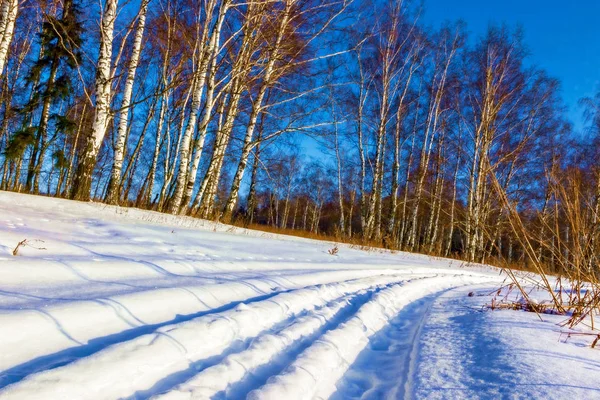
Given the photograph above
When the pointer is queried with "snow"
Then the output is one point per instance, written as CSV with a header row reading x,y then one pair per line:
x,y
330,356
523,356
105,302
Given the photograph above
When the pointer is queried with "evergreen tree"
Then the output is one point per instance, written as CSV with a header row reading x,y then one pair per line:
x,y
50,79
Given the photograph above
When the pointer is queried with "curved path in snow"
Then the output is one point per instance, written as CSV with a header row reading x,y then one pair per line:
x,y
110,303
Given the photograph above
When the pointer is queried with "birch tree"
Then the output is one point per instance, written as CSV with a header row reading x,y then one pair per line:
x,y
273,57
87,161
8,17
113,194
238,84
207,46
449,44
393,41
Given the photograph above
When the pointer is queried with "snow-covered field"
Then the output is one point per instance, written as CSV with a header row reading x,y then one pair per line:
x,y
109,303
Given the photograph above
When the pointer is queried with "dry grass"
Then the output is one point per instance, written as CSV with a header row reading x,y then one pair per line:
x,y
354,242
501,301
22,243
26,242
538,308
577,289
334,250
594,336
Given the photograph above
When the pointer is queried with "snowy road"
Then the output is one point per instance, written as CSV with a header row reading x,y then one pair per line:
x,y
108,303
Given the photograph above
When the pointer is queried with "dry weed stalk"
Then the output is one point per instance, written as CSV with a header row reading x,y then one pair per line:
x,y
26,242
574,254
596,336
16,249
334,250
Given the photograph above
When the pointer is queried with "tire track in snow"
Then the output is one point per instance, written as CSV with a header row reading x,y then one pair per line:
x,y
386,367
61,358
268,354
147,359
407,386
79,329
315,373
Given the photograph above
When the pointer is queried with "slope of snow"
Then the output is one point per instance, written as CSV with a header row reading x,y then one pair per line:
x,y
105,303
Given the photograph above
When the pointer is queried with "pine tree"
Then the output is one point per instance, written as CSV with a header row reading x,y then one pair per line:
x,y
60,40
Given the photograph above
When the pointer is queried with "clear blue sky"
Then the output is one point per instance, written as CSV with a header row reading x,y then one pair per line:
x,y
563,37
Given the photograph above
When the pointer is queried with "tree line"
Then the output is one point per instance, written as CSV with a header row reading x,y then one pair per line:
x,y
339,117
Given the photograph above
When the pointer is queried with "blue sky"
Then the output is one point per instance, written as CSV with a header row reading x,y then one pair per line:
x,y
563,37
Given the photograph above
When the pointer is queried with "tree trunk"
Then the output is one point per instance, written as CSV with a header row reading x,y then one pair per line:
x,y
199,80
85,169
8,17
452,209
256,109
74,150
251,206
113,195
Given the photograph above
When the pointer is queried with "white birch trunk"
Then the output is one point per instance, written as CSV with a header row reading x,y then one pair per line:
x,y
199,82
389,53
378,170
8,17
205,182
256,109
83,180
430,131
208,108
157,147
396,164
113,195
363,162
213,174
338,158
239,73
